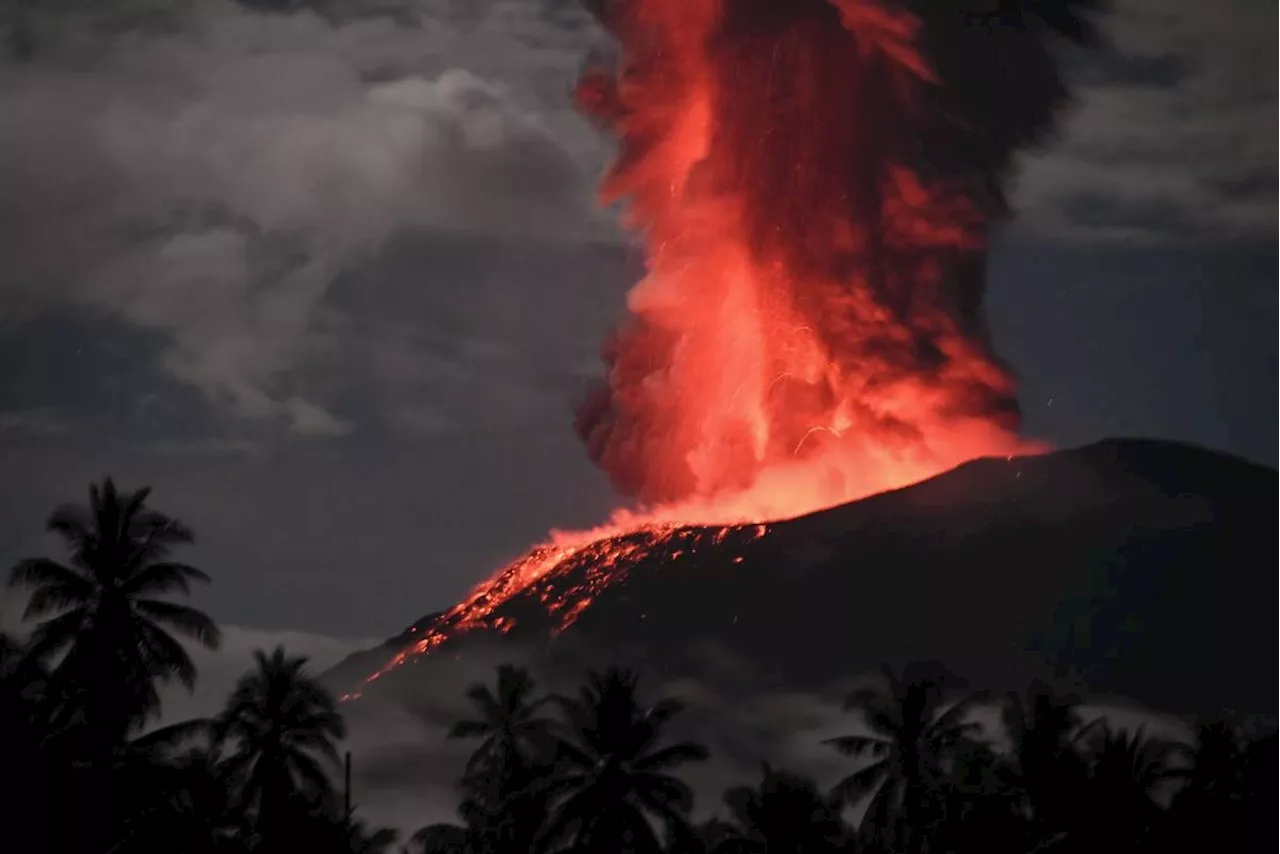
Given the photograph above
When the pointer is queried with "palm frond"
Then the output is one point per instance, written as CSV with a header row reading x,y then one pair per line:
x,y
164,656
955,714
163,577
38,571
183,618
51,636
468,729
73,523
57,587
860,783
858,745
173,735
674,754
315,779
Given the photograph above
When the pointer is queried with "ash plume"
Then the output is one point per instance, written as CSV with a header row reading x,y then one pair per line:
x,y
816,182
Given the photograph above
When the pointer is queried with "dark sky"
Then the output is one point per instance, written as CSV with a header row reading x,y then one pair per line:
x,y
331,286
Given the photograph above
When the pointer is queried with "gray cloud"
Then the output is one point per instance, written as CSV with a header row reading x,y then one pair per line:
x,y
32,423
1175,132
208,181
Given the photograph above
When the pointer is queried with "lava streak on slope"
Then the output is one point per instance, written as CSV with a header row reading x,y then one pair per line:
x,y
815,182
600,558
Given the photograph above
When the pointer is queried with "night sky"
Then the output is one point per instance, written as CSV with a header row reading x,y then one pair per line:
x,y
331,285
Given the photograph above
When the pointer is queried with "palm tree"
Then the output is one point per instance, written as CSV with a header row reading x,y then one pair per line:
x,y
1212,809
508,721
1215,763
912,732
280,728
1044,729
104,610
1125,772
504,807
105,620
981,809
613,777
786,814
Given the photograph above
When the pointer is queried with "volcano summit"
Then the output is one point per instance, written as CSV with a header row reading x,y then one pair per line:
x,y
1130,567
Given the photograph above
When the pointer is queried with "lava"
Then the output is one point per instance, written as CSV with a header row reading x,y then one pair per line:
x,y
815,182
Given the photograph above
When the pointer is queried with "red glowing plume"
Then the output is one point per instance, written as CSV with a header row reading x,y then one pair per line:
x,y
816,244
815,182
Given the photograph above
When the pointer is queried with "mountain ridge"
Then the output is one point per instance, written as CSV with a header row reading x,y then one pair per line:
x,y
1085,563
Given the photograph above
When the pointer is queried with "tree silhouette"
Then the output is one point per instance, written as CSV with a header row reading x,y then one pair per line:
x,y
281,728
913,729
105,616
784,814
504,805
1126,769
981,808
613,777
1049,771
1220,793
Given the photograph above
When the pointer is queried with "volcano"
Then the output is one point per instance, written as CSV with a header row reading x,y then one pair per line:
x,y
1133,568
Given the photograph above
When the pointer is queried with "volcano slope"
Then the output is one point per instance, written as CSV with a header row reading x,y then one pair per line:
x,y
1128,568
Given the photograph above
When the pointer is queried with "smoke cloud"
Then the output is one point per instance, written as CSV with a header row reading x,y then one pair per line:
x,y
205,172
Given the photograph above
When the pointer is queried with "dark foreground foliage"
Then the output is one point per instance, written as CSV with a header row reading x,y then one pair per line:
x,y
598,772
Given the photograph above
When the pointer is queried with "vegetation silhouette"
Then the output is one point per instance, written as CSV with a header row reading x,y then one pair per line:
x,y
598,771
282,727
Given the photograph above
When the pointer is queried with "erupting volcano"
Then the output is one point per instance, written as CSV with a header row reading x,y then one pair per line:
x,y
815,183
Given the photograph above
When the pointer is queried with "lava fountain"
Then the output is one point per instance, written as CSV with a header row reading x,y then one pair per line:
x,y
815,182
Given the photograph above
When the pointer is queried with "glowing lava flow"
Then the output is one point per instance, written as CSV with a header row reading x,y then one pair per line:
x,y
815,182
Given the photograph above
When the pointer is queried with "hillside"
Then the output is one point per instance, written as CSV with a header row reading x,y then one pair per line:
x,y
1136,567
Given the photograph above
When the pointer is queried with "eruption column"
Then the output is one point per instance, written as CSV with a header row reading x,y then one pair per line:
x,y
815,182
810,329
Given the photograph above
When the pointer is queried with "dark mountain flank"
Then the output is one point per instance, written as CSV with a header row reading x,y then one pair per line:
x,y
1138,568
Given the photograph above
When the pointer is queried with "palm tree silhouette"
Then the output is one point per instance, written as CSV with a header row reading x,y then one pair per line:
x,y
912,732
514,733
1126,769
1215,763
505,808
1216,802
281,728
981,809
105,613
105,620
1045,729
613,775
785,814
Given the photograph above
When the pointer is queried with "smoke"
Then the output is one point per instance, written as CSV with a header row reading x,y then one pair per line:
x,y
816,182
205,174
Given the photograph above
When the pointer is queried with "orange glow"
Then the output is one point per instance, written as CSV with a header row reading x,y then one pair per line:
x,y
809,329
